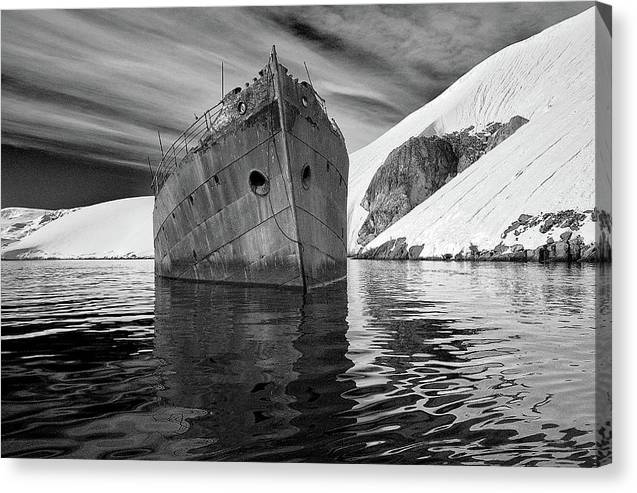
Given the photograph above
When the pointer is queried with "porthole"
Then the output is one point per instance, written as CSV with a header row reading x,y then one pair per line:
x,y
304,101
306,176
242,108
259,183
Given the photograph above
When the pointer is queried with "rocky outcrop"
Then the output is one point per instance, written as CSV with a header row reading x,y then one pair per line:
x,y
391,250
572,250
468,145
545,222
505,131
561,241
411,173
417,168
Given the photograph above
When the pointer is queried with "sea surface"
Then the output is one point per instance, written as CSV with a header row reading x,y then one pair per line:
x,y
406,362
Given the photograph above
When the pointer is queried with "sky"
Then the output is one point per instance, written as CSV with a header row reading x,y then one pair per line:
x,y
84,92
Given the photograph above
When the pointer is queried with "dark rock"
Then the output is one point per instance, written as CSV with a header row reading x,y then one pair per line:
x,y
390,250
551,249
566,235
378,252
576,250
550,240
543,254
502,257
563,219
561,251
499,248
492,127
458,256
485,255
467,145
505,131
524,218
519,256
524,222
533,255
415,251
589,254
400,250
548,224
517,248
411,173
464,162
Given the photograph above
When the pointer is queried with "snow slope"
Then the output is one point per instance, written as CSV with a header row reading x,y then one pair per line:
x,y
117,229
18,222
546,166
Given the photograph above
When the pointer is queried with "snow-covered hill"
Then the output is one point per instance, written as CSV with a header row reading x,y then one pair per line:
x,y
547,166
18,222
117,229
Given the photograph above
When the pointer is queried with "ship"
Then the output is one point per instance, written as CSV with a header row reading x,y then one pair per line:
x,y
255,191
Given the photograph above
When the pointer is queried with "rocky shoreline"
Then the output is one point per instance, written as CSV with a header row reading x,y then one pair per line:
x,y
562,242
556,251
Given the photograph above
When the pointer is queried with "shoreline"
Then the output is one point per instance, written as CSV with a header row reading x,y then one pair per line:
x,y
356,257
565,250
73,258
483,260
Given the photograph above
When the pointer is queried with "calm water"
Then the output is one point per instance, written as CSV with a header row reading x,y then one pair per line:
x,y
407,362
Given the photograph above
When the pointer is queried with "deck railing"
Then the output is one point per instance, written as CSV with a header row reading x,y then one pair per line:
x,y
189,140
192,138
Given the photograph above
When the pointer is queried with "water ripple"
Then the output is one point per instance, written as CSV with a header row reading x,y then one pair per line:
x,y
409,362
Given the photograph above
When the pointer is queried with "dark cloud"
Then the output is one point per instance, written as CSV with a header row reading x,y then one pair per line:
x,y
368,109
307,32
330,38
96,85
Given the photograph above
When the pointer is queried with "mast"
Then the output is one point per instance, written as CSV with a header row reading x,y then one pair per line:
x,y
286,152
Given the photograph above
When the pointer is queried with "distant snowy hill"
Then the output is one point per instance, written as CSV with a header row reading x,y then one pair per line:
x,y
117,229
18,222
547,166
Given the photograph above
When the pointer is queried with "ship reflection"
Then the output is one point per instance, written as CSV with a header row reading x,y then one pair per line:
x,y
263,368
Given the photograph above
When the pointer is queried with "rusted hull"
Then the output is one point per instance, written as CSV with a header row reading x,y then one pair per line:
x,y
211,224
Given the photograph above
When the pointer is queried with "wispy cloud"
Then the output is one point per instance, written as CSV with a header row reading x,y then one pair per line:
x,y
99,83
